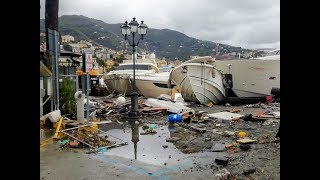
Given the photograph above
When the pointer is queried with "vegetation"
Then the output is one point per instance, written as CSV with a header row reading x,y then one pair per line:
x,y
66,93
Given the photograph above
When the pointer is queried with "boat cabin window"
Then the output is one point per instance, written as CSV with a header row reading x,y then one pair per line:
x,y
138,67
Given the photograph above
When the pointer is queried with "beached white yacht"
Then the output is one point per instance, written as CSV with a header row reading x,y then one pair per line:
x,y
253,77
199,81
118,81
153,85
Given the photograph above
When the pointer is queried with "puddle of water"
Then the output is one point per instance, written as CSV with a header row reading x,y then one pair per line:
x,y
149,147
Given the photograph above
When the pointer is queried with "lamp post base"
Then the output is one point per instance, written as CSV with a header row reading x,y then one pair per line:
x,y
134,105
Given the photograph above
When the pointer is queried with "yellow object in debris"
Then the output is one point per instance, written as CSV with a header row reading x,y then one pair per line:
x,y
46,142
92,129
242,134
57,134
210,104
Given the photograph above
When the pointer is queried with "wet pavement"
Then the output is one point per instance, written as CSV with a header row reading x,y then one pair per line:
x,y
151,157
151,160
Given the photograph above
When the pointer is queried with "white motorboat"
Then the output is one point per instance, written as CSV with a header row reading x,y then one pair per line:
x,y
119,81
153,85
199,81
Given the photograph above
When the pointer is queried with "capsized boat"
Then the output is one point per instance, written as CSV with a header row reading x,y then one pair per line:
x,y
199,81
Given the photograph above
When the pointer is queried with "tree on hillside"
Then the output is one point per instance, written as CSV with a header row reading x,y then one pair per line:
x,y
119,59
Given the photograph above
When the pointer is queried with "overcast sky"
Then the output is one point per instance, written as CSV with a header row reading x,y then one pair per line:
x,y
245,23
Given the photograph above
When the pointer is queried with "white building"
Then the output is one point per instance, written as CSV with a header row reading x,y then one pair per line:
x,y
67,38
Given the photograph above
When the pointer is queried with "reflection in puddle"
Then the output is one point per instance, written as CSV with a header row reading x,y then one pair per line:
x,y
150,148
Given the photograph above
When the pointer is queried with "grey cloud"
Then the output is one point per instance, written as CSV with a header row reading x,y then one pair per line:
x,y
245,23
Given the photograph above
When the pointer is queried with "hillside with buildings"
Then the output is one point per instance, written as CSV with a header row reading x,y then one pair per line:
x,y
165,43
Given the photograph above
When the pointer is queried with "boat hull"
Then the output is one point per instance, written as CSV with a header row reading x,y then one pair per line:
x,y
199,83
252,78
118,83
148,88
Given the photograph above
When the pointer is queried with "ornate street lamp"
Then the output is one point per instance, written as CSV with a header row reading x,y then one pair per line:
x,y
127,29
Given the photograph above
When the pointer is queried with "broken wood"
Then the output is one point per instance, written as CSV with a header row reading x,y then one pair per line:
x,y
79,140
58,128
246,141
90,124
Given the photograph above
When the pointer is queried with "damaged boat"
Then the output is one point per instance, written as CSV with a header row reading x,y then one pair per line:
x,y
199,81
153,85
253,77
119,81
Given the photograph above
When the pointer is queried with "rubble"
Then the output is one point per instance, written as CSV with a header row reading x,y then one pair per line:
x,y
171,106
222,174
206,132
246,141
218,148
225,116
223,161
248,171
244,147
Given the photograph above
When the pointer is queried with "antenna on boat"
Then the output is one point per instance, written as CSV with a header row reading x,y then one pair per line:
x,y
229,65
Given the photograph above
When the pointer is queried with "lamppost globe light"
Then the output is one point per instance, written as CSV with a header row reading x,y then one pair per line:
x,y
134,25
125,30
142,29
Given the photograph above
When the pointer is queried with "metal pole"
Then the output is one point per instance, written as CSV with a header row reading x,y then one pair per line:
x,y
77,83
87,96
56,47
134,94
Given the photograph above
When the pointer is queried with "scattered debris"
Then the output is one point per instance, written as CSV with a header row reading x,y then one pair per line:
x,y
222,174
172,139
223,161
120,100
276,115
270,122
171,106
229,133
235,110
242,134
74,143
248,171
244,147
218,148
225,116
216,131
200,130
149,131
246,141
102,149
218,125
231,146
164,97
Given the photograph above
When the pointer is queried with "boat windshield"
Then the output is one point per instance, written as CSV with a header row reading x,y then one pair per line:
x,y
138,67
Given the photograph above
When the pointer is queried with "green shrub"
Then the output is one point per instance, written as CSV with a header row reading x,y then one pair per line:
x,y
66,94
